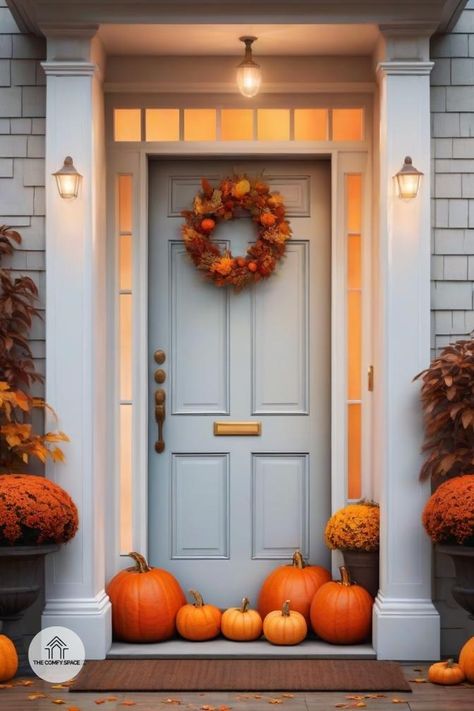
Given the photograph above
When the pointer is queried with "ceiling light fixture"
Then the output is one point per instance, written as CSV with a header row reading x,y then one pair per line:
x,y
249,75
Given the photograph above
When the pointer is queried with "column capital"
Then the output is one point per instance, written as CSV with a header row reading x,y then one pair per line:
x,y
63,68
403,68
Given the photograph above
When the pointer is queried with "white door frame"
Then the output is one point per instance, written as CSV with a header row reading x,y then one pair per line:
x,y
134,162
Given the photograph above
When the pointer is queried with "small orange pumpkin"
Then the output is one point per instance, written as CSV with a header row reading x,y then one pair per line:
x,y
341,612
297,582
197,621
241,624
208,224
285,626
267,219
252,266
466,660
446,673
8,659
145,601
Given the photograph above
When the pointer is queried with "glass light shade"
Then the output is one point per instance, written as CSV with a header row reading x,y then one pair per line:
x,y
249,75
68,180
408,179
249,78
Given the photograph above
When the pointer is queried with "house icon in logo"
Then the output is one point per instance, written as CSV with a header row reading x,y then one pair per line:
x,y
56,646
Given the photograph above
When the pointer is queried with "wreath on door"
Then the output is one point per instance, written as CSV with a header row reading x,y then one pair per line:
x,y
232,197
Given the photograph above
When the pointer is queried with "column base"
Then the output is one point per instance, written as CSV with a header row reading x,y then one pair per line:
x,y
90,618
406,629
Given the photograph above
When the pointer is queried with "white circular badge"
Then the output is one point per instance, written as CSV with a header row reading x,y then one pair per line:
x,y
56,654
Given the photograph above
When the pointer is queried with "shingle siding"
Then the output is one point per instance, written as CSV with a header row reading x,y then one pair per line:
x,y
452,268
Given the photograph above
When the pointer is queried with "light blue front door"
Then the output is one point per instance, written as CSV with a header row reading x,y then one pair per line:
x,y
223,511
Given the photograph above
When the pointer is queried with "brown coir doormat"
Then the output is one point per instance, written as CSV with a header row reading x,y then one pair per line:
x,y
240,675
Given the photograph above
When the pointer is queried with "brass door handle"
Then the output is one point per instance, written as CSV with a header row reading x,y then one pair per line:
x,y
160,416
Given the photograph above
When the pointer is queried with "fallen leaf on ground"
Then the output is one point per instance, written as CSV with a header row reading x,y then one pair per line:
x,y
360,704
36,695
73,708
341,706
399,701
58,701
24,682
258,696
100,701
128,703
419,680
206,707
59,686
355,697
288,696
6,686
275,701
223,707
171,701
112,698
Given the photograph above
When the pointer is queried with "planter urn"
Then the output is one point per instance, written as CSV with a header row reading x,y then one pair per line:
x,y
463,588
20,584
363,567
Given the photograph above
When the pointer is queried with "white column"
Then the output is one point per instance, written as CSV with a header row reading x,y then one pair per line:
x,y
75,334
406,624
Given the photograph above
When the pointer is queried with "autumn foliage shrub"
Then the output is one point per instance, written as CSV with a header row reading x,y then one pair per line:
x,y
32,509
447,395
354,527
448,516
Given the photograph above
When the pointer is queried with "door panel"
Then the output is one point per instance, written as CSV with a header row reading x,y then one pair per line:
x,y
224,510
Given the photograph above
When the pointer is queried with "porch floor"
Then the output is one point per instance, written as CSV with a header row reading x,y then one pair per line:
x,y
226,648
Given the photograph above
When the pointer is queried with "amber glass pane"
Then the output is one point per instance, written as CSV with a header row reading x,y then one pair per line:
x,y
354,274
354,203
127,125
354,455
273,124
348,124
125,262
125,345
311,124
125,203
125,479
237,124
162,124
199,124
354,342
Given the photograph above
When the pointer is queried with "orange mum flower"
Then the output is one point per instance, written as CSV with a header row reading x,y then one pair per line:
x,y
223,266
448,516
35,510
355,527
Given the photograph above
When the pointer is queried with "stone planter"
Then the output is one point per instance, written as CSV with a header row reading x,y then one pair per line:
x,y
463,589
20,583
363,567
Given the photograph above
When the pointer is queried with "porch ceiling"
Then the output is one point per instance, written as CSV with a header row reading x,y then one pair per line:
x,y
37,15
222,40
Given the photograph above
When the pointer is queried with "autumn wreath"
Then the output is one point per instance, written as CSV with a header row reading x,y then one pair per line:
x,y
213,205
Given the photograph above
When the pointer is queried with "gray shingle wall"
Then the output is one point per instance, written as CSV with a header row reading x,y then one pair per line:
x,y
22,124
452,268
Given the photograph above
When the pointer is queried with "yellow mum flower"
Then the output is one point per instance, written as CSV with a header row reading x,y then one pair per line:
x,y
355,527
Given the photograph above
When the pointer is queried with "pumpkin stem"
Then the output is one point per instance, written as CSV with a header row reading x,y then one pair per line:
x,y
198,601
298,560
244,606
345,576
285,610
449,663
141,565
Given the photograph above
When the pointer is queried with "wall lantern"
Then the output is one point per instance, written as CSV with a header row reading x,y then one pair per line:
x,y
249,75
408,179
68,180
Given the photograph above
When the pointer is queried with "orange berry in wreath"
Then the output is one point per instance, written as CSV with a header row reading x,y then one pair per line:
x,y
208,224
252,266
267,219
241,261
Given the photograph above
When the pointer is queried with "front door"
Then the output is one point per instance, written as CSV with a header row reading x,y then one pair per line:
x,y
225,510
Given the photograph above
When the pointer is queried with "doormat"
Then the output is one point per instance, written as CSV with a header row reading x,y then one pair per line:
x,y
240,675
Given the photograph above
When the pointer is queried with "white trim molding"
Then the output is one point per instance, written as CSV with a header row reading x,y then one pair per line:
x,y
406,623
69,69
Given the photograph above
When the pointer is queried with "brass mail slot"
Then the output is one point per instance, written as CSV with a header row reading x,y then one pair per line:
x,y
238,429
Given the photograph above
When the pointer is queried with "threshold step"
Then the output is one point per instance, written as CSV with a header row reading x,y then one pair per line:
x,y
225,648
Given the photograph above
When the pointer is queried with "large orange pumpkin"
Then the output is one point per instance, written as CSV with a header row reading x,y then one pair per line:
x,y
341,612
297,582
8,659
241,624
197,621
285,626
466,660
145,602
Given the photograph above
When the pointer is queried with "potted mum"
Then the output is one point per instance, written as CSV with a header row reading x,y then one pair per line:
x,y
447,396
448,518
36,515
354,530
